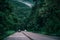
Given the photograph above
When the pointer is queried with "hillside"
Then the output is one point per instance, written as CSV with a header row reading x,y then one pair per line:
x,y
21,9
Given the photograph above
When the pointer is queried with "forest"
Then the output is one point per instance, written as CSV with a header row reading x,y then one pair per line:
x,y
43,17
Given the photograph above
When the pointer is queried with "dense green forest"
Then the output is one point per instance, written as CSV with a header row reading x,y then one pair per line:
x,y
43,17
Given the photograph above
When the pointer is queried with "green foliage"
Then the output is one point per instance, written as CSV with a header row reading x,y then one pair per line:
x,y
46,17
43,17
6,18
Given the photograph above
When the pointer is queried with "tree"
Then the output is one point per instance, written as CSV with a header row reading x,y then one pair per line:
x,y
45,13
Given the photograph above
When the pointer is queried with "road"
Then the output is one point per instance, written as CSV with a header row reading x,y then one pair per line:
x,y
29,36
17,36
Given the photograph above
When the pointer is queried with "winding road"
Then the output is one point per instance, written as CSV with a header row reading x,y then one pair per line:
x,y
29,36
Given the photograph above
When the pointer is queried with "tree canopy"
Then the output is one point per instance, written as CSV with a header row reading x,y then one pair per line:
x,y
43,17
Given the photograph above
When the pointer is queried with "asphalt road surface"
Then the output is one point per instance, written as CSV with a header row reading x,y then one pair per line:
x,y
17,36
29,36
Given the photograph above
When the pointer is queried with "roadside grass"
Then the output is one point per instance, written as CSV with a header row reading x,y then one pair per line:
x,y
7,33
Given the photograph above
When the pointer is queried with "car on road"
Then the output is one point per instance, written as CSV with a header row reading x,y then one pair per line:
x,y
19,30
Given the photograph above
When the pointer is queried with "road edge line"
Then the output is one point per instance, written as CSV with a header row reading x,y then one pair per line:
x,y
27,36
